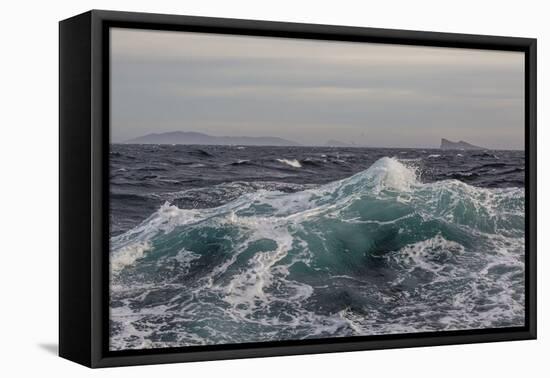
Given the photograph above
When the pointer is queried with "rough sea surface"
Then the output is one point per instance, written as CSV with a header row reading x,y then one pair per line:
x,y
235,244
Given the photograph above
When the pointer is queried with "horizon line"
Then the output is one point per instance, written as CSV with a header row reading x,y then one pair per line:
x,y
319,145
298,144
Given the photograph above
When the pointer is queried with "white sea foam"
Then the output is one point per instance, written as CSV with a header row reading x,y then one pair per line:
x,y
291,162
248,287
428,253
128,254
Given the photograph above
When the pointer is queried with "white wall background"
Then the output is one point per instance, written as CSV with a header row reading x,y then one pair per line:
x,y
29,186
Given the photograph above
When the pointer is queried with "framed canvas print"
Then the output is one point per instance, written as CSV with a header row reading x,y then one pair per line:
x,y
234,188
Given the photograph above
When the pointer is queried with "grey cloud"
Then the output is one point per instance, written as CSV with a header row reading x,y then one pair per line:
x,y
311,91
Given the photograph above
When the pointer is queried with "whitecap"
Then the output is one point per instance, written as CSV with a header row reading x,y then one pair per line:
x,y
292,162
128,254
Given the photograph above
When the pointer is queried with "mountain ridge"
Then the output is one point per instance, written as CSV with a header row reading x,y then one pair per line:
x,y
193,137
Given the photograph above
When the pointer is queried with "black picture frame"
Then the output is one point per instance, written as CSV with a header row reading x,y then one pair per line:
x,y
84,193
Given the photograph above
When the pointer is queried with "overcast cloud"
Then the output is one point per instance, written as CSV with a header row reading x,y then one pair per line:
x,y
312,91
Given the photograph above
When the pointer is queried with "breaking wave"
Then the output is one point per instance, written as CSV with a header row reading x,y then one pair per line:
x,y
375,253
290,162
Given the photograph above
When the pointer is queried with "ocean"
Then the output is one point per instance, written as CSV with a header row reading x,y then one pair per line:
x,y
236,244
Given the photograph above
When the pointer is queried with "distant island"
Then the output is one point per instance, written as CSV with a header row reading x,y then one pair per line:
x,y
190,137
461,145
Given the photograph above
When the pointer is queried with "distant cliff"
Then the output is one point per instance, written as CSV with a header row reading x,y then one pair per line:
x,y
461,145
183,137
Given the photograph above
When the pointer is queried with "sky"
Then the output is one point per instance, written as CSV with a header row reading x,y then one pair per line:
x,y
312,91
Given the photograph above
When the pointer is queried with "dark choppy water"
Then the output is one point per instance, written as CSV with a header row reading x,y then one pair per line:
x,y
227,244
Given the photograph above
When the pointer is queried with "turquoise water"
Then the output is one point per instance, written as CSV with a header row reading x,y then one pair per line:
x,y
376,253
